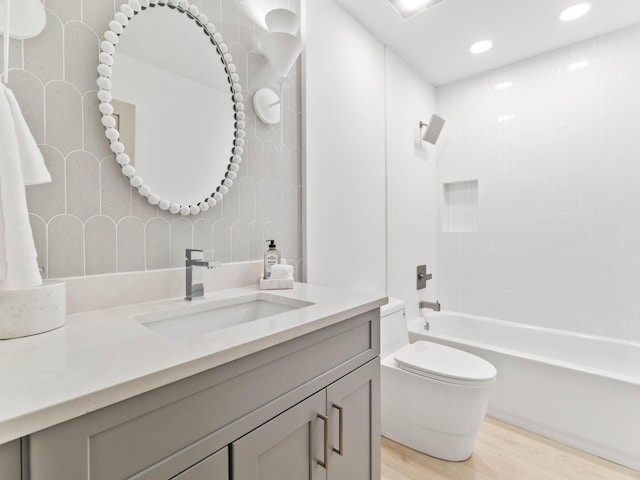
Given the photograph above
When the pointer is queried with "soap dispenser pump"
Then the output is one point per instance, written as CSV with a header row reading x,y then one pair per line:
x,y
271,257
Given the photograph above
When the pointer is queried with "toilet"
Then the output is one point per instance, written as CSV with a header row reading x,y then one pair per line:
x,y
433,397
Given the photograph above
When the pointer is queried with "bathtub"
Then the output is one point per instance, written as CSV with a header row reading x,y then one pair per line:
x,y
581,390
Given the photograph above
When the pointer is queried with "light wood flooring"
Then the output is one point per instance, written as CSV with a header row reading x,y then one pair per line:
x,y
502,452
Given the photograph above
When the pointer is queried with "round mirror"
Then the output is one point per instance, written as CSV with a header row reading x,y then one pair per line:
x,y
171,104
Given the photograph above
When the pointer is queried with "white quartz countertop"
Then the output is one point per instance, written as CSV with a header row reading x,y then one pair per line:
x,y
103,357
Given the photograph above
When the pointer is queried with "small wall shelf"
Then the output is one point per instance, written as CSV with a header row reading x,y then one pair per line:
x,y
460,206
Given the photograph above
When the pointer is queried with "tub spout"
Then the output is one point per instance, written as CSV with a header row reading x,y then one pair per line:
x,y
435,306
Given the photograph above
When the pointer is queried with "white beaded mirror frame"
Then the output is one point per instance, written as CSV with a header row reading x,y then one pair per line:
x,y
108,48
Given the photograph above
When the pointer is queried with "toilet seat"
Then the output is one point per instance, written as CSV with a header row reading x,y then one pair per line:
x,y
445,364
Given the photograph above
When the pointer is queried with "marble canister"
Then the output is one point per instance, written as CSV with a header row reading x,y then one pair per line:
x,y
32,310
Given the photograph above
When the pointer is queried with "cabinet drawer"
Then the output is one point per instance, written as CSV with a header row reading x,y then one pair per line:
x,y
119,441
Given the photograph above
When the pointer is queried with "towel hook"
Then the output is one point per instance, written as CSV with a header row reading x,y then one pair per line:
x,y
27,21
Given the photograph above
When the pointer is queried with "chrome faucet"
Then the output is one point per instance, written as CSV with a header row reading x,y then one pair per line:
x,y
435,306
194,282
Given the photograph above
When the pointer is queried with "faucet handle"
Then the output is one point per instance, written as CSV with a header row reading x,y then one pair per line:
x,y
193,254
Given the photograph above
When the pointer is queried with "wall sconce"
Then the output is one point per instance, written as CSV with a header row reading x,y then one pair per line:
x,y
282,47
281,44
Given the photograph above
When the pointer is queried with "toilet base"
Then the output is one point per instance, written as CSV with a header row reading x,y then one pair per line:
x,y
433,417
453,448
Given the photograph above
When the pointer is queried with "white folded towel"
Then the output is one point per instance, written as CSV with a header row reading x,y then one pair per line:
x,y
281,272
34,170
18,153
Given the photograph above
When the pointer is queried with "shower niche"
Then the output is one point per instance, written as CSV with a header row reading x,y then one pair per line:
x,y
460,206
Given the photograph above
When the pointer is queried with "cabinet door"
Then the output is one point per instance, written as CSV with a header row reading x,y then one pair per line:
x,y
353,403
287,447
214,467
10,461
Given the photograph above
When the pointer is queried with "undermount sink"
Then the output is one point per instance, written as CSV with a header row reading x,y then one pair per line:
x,y
205,316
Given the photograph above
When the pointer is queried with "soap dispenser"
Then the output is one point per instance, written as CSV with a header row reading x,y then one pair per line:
x,y
271,257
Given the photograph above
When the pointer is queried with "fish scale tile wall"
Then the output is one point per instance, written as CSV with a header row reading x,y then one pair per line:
x,y
89,220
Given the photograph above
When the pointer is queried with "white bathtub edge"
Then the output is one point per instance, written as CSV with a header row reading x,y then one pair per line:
x,y
414,327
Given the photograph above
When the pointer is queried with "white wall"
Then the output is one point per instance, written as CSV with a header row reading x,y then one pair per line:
x,y
167,146
411,184
559,189
344,155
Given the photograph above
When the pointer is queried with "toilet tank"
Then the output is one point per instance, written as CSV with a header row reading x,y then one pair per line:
x,y
393,327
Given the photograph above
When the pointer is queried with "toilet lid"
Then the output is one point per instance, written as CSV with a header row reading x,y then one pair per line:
x,y
444,363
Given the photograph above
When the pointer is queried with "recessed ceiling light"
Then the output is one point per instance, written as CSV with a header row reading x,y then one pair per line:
x,y
574,12
407,8
503,85
578,65
412,4
506,118
481,46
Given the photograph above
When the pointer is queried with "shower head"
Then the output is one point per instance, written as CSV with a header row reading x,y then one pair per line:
x,y
432,129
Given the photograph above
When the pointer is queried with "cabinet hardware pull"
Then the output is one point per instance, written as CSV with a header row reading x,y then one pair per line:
x,y
339,450
326,441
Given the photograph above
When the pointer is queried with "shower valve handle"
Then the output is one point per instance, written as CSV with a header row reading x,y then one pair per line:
x,y
422,277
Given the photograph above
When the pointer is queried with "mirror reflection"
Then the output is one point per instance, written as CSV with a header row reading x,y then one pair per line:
x,y
174,107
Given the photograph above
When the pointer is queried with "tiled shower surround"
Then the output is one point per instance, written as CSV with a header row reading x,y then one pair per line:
x,y
554,144
89,220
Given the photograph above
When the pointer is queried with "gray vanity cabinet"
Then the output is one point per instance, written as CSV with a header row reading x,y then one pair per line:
x,y
214,467
10,461
285,447
259,410
296,443
353,407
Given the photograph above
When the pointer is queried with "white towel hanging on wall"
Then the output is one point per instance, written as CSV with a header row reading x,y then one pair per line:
x,y
20,163
34,170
